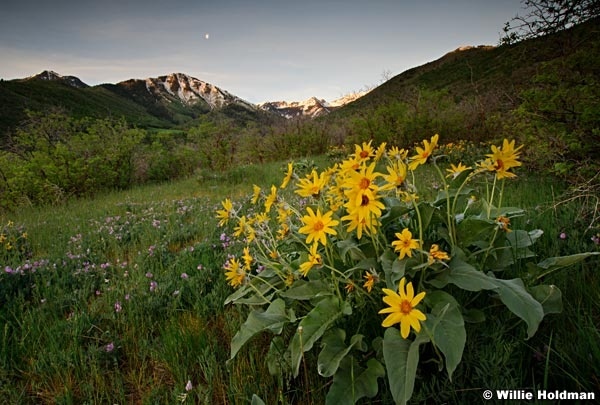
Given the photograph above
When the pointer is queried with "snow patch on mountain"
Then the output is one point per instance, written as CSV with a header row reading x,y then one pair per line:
x,y
313,107
50,75
189,90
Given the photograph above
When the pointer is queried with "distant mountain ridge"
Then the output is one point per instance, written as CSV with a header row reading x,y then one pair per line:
x,y
312,107
163,102
50,75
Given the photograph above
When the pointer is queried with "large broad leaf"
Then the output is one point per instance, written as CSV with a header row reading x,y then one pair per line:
x,y
314,325
273,319
277,359
549,296
511,292
447,327
256,400
401,360
351,248
334,350
353,382
260,293
514,295
468,277
306,290
521,239
471,230
552,264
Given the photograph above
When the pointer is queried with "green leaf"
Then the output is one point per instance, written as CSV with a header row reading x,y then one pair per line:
x,y
514,295
352,382
474,315
552,264
427,210
473,229
447,327
273,319
277,358
306,290
549,296
350,247
256,400
314,325
334,350
519,238
468,277
511,292
401,360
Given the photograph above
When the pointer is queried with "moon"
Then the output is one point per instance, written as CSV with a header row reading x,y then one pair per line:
x,y
206,36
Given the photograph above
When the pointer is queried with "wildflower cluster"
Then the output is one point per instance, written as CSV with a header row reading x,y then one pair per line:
x,y
324,257
14,243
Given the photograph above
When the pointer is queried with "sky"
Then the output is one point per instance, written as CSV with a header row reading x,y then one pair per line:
x,y
257,50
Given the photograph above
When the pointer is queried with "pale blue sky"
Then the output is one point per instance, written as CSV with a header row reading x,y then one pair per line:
x,y
258,50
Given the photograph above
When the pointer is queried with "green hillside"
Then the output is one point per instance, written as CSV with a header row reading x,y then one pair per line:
x,y
16,96
494,75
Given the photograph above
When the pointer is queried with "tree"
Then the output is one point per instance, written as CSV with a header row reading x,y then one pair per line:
x,y
544,17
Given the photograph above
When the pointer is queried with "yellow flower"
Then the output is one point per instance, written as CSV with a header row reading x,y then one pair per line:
x,y
2,238
283,212
455,171
365,207
316,226
283,231
360,184
289,280
366,224
402,309
288,176
423,153
435,254
247,258
396,176
256,194
225,214
405,243
349,286
235,274
244,228
349,165
371,277
312,185
380,151
398,154
364,152
314,259
501,160
24,235
271,199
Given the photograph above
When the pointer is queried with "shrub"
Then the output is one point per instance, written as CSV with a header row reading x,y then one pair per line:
x,y
363,239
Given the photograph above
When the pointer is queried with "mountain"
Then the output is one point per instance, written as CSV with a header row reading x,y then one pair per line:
x,y
312,108
50,75
161,102
486,79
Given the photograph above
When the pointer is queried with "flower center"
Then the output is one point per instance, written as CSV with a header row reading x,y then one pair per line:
x,y
364,183
499,164
318,226
364,154
405,307
365,201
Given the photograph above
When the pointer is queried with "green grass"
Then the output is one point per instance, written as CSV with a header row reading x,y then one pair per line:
x,y
86,327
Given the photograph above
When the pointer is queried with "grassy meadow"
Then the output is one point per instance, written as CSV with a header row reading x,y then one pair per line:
x,y
120,299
